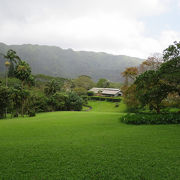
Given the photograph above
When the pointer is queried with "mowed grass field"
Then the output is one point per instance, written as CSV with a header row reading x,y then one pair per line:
x,y
87,145
104,106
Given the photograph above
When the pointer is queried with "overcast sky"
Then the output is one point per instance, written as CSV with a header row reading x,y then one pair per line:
x,y
130,27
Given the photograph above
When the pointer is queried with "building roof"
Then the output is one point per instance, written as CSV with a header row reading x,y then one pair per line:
x,y
110,92
107,91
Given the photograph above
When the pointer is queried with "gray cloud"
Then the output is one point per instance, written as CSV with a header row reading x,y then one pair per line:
x,y
100,25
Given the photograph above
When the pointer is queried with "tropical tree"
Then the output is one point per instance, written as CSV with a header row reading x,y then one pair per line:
x,y
151,90
7,64
84,82
19,99
14,59
23,73
129,73
57,101
74,102
173,51
80,91
170,70
103,83
5,100
51,87
130,99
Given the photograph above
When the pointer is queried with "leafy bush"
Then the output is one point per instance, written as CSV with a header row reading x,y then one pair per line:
x,y
4,100
57,102
41,103
80,91
102,98
74,102
170,118
31,113
90,93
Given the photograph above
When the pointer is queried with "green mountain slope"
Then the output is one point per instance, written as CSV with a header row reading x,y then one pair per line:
x,y
54,61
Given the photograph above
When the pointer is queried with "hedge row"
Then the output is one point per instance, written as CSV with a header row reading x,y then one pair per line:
x,y
102,98
170,118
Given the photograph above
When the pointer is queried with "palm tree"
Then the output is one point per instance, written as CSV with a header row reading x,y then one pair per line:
x,y
14,59
51,87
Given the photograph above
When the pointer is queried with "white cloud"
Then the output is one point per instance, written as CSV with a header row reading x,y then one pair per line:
x,y
112,26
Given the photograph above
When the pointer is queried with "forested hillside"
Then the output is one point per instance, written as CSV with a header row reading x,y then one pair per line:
x,y
54,61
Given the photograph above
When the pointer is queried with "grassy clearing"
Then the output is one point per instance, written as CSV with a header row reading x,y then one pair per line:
x,y
104,106
87,145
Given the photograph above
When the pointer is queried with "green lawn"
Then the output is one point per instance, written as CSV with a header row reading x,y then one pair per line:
x,y
87,145
104,106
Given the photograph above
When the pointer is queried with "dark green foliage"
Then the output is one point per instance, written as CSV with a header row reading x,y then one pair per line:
x,y
153,87
41,103
5,98
170,73
30,81
102,98
171,118
57,102
51,87
80,91
13,82
16,100
173,51
150,90
31,113
11,70
14,59
170,70
74,102
23,72
90,93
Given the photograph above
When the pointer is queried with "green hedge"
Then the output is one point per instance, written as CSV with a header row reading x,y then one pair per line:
x,y
170,118
102,98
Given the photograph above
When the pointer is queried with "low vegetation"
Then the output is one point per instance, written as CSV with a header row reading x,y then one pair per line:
x,y
170,118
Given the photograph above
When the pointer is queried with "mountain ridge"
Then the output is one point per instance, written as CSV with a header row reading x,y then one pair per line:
x,y
67,63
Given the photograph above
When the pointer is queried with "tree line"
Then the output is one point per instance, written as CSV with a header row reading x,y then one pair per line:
x,y
21,94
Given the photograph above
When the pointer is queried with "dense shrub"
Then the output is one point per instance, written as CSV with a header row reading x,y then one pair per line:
x,y
74,102
41,103
80,91
4,100
90,93
170,118
31,113
57,102
102,98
